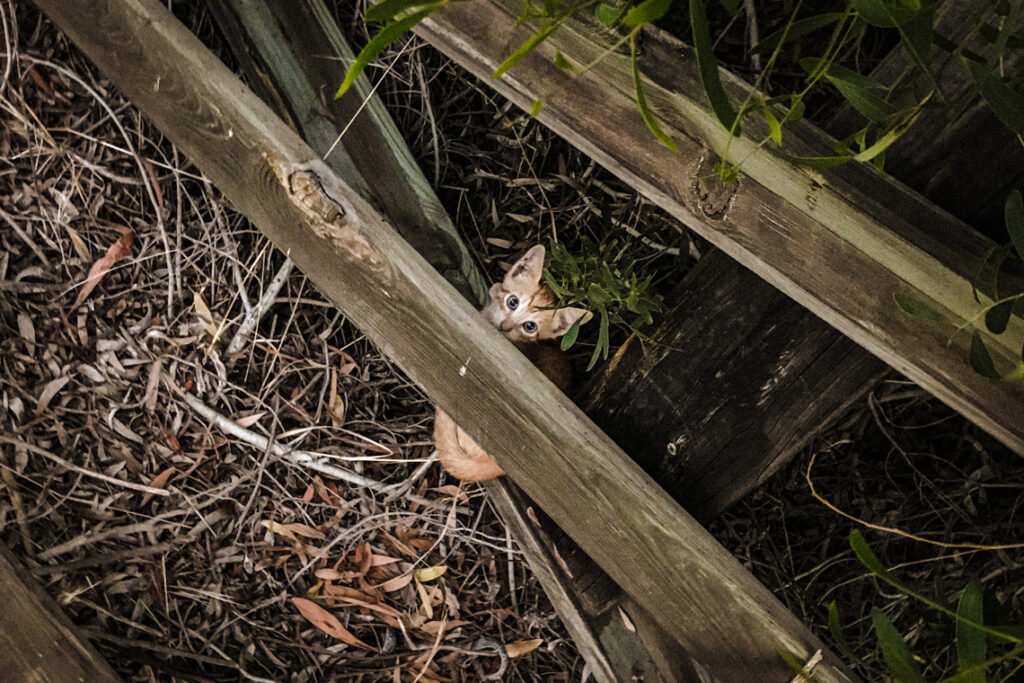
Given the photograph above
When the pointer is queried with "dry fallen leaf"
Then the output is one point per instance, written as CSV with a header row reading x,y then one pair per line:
x,y
327,622
397,583
522,647
159,482
292,530
430,573
249,420
120,249
204,313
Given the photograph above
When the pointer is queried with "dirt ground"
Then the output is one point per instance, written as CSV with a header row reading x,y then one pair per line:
x,y
140,483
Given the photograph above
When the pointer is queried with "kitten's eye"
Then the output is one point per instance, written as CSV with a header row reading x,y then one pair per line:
x,y
512,302
530,326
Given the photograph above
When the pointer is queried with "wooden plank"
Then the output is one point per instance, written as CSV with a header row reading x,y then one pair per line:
x,y
958,154
296,58
667,562
275,41
841,245
770,375
37,642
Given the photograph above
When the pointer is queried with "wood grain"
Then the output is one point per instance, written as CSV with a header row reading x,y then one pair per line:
x,y
282,46
841,245
733,384
37,642
730,623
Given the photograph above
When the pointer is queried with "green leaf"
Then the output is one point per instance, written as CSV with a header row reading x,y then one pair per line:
x,y
774,127
970,640
641,102
708,67
387,35
1014,214
606,15
1015,375
869,559
796,109
990,34
981,361
820,163
835,627
916,308
1005,102
602,339
998,317
884,14
646,12
916,35
569,338
902,666
528,45
798,29
535,108
386,10
562,63
859,90
731,6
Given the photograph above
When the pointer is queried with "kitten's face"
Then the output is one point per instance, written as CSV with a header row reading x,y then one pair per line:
x,y
522,307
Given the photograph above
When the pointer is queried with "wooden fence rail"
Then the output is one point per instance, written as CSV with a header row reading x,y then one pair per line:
x,y
841,244
647,543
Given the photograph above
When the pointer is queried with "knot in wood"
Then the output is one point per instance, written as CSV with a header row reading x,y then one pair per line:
x,y
713,197
306,187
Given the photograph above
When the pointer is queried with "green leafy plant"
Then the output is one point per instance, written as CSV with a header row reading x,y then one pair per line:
x,y
995,316
604,277
884,122
985,650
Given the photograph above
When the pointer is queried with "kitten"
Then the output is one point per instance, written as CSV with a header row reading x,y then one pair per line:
x,y
522,308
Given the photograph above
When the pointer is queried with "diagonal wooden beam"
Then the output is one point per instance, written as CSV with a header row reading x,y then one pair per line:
x,y
842,244
37,642
726,620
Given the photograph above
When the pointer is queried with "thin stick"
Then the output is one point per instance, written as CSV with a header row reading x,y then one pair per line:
x,y
81,470
252,317
313,461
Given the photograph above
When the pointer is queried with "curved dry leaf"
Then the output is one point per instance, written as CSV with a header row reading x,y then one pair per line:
x,y
382,560
122,248
522,647
432,627
397,583
430,573
327,622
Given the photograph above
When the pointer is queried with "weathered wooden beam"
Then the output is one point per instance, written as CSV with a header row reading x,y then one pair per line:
x,y
295,60
727,621
37,642
283,47
735,381
958,154
841,244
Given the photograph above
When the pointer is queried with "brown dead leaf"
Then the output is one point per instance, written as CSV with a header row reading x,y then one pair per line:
x,y
397,583
204,313
382,560
327,622
432,627
121,248
292,530
159,482
151,172
452,491
249,420
522,647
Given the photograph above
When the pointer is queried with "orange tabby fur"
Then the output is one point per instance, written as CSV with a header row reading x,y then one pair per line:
x,y
521,307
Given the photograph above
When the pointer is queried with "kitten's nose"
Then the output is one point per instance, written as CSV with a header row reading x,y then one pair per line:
x,y
502,328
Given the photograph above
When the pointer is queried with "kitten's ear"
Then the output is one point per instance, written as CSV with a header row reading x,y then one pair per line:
x,y
529,268
564,318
